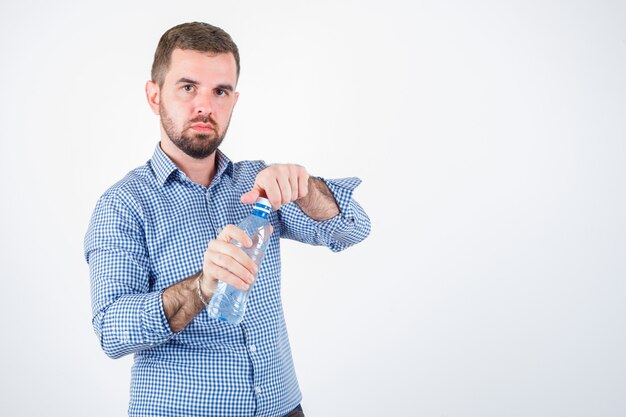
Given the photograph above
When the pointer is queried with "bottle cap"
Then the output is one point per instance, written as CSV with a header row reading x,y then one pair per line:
x,y
263,204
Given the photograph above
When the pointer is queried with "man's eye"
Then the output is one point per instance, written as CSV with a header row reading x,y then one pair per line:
x,y
188,88
220,92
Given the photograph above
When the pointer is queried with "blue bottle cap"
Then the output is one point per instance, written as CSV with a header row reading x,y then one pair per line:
x,y
263,204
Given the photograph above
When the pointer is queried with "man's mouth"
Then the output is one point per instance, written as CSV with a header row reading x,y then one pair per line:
x,y
202,127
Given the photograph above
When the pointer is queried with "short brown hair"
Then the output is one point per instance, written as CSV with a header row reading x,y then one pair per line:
x,y
196,36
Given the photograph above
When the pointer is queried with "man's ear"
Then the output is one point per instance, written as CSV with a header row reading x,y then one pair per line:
x,y
153,94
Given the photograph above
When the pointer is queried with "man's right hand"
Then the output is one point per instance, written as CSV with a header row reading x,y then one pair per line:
x,y
226,262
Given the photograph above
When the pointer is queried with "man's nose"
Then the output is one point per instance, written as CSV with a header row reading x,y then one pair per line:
x,y
204,103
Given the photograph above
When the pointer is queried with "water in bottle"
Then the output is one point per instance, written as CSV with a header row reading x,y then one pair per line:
x,y
229,303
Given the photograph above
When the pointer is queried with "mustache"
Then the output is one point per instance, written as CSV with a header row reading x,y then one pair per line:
x,y
204,119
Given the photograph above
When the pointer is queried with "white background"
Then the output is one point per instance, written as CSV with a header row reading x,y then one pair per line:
x,y
491,140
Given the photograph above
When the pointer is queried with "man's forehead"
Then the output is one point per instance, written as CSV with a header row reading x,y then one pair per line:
x,y
183,56
198,64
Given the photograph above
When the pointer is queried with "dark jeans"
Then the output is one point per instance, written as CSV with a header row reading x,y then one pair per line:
x,y
296,412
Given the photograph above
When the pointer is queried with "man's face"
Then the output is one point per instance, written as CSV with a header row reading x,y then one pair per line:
x,y
197,99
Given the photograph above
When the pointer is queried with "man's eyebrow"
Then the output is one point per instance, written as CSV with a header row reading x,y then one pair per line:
x,y
187,81
226,87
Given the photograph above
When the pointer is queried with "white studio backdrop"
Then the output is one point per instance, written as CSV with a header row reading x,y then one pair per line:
x,y
490,137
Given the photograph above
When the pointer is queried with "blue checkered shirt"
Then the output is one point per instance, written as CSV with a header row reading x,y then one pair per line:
x,y
149,231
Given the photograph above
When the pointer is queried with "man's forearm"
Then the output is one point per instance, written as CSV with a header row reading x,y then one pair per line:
x,y
181,302
319,203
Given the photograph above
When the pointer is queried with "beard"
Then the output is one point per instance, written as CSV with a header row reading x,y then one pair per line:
x,y
196,145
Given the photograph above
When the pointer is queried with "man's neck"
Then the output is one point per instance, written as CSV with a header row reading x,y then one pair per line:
x,y
200,171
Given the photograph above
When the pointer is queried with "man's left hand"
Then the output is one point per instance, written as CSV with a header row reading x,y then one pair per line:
x,y
280,184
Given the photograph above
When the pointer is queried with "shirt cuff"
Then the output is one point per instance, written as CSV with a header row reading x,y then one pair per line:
x,y
345,228
155,327
342,190
134,322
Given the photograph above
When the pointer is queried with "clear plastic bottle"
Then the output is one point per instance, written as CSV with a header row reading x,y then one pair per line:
x,y
229,303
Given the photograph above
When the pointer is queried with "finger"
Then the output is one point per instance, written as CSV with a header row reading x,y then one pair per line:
x,y
232,232
284,185
215,273
225,244
303,185
294,181
222,255
251,196
272,191
226,260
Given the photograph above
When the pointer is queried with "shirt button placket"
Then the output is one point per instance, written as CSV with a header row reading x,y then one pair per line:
x,y
253,349
210,215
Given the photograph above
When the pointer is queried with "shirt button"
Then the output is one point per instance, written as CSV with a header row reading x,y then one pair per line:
x,y
257,390
252,348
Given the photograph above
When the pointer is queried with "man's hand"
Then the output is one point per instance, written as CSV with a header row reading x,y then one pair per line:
x,y
226,262
280,184
222,261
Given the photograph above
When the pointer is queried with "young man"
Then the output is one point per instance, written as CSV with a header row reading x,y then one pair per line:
x,y
159,240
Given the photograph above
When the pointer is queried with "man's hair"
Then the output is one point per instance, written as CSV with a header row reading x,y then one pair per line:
x,y
195,36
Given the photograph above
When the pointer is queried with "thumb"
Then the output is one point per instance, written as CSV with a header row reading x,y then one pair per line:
x,y
251,196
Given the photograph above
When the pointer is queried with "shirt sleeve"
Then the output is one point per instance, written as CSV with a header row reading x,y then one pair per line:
x,y
127,316
349,227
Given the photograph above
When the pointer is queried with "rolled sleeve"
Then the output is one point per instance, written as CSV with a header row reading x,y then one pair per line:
x,y
349,227
134,322
127,316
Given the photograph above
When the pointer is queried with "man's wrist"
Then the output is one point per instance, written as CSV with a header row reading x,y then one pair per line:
x,y
203,299
319,203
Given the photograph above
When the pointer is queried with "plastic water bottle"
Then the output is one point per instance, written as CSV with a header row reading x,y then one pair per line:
x,y
229,303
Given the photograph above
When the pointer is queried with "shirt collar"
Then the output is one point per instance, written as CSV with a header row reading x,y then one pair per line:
x,y
163,166
224,164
